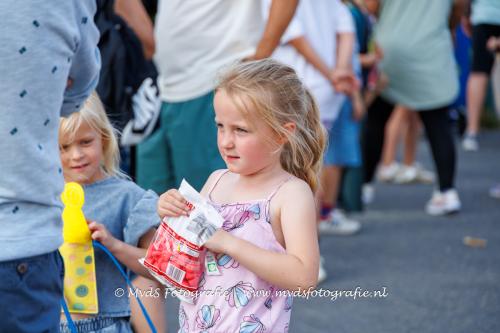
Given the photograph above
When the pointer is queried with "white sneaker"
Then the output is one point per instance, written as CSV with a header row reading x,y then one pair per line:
x,y
469,143
415,173
367,194
386,173
443,203
495,191
338,224
322,271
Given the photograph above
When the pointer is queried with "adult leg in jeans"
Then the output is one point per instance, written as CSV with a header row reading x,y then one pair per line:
x,y
31,289
373,140
437,127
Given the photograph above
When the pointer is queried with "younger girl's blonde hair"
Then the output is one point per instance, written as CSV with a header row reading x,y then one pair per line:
x,y
93,114
277,96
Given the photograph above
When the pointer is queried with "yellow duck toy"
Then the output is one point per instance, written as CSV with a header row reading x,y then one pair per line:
x,y
80,288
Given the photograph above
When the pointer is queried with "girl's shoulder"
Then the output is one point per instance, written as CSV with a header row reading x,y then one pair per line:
x,y
212,181
295,187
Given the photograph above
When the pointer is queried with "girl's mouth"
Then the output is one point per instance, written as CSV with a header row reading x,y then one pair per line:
x,y
79,167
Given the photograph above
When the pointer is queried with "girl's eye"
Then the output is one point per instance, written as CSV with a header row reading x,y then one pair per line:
x,y
86,142
63,147
219,125
241,130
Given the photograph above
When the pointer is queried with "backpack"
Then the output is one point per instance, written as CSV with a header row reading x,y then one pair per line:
x,y
123,67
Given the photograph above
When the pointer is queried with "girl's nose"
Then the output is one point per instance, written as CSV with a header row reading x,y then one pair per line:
x,y
226,140
76,153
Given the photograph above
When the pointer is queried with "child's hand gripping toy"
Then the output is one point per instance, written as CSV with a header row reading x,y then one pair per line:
x,y
80,289
176,256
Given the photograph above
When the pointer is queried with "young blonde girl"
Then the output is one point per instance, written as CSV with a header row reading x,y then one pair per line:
x,y
121,215
271,140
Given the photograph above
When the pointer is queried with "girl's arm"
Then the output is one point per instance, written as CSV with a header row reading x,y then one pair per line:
x,y
172,203
345,49
302,45
298,267
342,75
126,254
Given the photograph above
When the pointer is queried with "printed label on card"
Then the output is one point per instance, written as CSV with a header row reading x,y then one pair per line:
x,y
211,264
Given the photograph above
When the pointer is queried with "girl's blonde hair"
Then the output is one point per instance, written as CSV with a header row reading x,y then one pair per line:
x,y
278,97
93,114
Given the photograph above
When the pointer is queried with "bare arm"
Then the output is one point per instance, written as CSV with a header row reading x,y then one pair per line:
x,y
345,48
457,12
298,267
368,60
302,45
342,75
134,13
126,254
280,15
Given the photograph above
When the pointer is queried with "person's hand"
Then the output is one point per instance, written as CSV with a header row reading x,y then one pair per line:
x,y
493,44
370,59
173,204
101,234
344,81
216,242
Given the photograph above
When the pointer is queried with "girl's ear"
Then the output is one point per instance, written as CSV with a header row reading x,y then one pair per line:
x,y
290,127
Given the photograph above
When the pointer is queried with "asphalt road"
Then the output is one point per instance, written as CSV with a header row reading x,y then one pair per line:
x,y
433,281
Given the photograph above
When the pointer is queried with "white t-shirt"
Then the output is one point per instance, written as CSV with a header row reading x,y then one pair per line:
x,y
196,38
485,12
318,21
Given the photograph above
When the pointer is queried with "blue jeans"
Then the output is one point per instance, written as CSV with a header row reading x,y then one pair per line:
x,y
31,290
100,325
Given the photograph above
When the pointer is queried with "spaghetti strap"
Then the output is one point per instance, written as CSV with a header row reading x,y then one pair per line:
x,y
268,200
277,188
219,176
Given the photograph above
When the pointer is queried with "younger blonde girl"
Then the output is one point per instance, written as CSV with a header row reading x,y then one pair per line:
x,y
123,215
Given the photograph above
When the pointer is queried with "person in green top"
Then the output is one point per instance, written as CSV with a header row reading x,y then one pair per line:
x,y
415,39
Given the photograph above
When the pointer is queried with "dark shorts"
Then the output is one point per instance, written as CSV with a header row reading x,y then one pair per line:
x,y
482,58
31,290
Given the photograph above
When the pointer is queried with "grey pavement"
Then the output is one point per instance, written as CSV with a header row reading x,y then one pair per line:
x,y
433,282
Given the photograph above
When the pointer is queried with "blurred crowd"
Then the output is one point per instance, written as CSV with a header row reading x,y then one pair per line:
x,y
383,72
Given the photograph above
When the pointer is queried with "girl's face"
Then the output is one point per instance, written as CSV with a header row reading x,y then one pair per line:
x,y
81,158
247,148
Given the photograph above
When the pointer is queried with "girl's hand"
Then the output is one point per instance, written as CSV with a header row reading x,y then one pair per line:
x,y
369,60
101,234
344,81
217,241
173,204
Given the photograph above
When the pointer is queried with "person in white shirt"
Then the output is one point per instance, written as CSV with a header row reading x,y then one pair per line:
x,y
319,45
194,41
